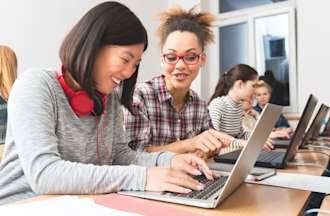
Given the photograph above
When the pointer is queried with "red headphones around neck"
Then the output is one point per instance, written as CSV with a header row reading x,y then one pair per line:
x,y
79,101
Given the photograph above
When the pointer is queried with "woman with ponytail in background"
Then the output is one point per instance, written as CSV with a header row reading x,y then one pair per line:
x,y
225,106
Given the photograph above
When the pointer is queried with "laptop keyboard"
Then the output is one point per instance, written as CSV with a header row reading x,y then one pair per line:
x,y
265,156
210,187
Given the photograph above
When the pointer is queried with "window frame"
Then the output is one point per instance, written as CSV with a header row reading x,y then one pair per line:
x,y
211,71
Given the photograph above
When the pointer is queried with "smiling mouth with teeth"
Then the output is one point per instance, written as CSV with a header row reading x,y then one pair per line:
x,y
115,80
180,76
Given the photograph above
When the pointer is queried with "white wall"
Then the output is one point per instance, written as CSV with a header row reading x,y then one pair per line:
x,y
35,29
184,3
313,38
147,11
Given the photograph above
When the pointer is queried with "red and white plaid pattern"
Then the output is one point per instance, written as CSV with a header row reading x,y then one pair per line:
x,y
156,122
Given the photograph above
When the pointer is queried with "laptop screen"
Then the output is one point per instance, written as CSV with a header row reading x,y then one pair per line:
x,y
314,129
326,129
301,128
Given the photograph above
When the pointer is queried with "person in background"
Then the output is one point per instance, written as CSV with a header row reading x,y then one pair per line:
x,y
225,106
263,94
65,133
8,74
250,116
250,119
167,114
280,95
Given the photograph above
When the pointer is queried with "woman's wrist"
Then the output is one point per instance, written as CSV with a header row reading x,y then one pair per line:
x,y
187,145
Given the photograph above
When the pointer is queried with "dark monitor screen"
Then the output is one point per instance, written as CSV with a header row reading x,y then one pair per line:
x,y
277,47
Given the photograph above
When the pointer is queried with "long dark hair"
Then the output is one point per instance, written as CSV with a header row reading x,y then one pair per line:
x,y
109,23
227,79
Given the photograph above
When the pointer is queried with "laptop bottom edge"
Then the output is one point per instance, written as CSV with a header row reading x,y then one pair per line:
x,y
209,203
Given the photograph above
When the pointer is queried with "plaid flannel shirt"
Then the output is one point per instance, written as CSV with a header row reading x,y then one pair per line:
x,y
156,122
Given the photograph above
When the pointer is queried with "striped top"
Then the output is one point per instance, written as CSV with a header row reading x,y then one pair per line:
x,y
3,120
226,116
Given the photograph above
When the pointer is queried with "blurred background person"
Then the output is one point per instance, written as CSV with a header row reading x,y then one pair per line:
x,y
250,119
263,93
8,74
280,89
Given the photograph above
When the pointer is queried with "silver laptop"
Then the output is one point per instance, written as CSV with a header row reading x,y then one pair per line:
x,y
218,190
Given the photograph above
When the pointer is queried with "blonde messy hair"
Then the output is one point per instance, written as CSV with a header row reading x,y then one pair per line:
x,y
8,71
178,19
261,84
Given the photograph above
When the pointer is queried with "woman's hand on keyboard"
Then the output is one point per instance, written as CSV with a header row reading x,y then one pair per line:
x,y
169,179
268,145
191,164
178,178
285,134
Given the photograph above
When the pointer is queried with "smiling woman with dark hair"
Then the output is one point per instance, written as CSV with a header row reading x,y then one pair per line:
x,y
65,133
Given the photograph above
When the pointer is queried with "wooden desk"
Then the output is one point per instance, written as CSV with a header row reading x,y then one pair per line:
x,y
292,117
325,204
250,199
308,157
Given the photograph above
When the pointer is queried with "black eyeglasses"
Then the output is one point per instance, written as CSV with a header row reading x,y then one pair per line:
x,y
189,59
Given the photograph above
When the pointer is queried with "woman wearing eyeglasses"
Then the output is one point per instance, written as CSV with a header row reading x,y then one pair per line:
x,y
167,114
